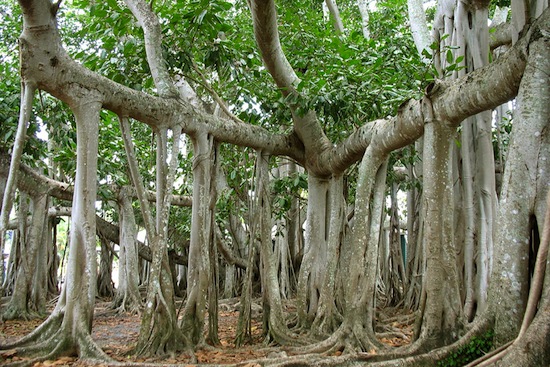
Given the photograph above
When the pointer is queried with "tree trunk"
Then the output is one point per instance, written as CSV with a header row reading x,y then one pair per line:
x,y
198,273
328,316
524,184
27,95
127,298
312,271
159,333
68,328
105,285
442,313
275,327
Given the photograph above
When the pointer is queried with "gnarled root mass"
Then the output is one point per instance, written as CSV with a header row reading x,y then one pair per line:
x,y
52,340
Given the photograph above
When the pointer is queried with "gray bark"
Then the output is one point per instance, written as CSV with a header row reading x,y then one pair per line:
x,y
441,317
127,297
198,274
523,189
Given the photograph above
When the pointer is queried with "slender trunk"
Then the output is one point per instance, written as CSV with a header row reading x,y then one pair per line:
x,y
419,27
127,298
274,321
335,15
105,286
198,274
363,6
27,96
159,333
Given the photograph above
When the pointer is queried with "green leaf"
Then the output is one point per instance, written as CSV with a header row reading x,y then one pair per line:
x,y
449,57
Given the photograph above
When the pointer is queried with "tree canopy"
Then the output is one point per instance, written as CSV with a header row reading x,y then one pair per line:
x,y
345,157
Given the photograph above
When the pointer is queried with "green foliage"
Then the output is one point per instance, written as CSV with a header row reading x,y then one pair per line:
x,y
349,80
10,90
446,53
105,38
499,3
285,190
477,347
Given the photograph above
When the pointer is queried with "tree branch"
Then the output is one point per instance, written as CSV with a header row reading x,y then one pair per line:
x,y
153,47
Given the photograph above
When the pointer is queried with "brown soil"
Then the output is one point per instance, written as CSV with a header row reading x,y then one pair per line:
x,y
117,335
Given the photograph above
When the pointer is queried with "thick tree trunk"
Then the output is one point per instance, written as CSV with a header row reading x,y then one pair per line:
x,y
360,258
312,271
328,316
441,318
524,184
68,329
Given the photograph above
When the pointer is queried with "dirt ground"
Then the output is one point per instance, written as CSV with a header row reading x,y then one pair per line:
x,y
117,334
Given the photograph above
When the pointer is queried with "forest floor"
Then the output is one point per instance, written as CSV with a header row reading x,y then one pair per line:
x,y
117,334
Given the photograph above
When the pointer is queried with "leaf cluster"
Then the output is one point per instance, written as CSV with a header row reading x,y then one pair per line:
x,y
477,347
349,80
286,189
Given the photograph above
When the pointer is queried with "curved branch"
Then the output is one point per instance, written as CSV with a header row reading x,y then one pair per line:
x,y
481,90
500,35
153,47
266,32
43,59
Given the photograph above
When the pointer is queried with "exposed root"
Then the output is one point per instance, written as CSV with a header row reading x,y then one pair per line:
x,y
337,342
31,362
50,341
127,305
43,332
15,313
89,350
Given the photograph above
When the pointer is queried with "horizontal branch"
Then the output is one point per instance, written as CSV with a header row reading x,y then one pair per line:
x,y
34,183
44,61
452,101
